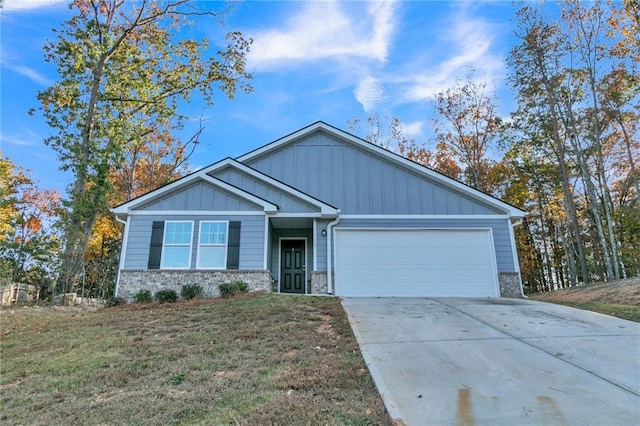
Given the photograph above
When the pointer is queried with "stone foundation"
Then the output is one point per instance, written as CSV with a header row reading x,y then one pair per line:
x,y
510,285
318,283
132,281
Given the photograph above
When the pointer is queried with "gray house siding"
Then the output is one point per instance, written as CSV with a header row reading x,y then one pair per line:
x,y
251,238
499,227
361,182
321,245
285,202
200,196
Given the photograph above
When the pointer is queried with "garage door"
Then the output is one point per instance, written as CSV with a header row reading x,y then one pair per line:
x,y
415,263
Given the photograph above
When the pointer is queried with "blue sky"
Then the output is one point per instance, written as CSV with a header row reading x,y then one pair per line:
x,y
319,60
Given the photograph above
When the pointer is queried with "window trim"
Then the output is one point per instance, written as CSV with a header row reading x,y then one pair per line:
x,y
200,245
164,244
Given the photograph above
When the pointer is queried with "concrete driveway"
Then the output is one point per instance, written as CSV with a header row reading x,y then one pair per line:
x,y
459,361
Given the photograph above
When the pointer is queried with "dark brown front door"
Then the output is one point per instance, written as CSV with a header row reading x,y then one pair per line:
x,y
292,266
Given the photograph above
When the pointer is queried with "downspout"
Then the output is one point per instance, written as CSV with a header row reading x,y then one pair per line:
x,y
516,260
329,271
122,251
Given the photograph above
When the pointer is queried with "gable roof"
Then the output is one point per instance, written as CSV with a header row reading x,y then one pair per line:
x,y
200,175
319,126
326,210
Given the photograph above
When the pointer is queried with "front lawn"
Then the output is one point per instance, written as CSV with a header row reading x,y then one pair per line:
x,y
253,360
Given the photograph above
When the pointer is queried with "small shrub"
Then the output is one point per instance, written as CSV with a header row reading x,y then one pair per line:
x,y
115,301
167,296
190,291
242,286
229,289
143,296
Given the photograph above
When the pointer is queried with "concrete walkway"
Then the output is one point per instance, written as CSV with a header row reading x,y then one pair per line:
x,y
498,361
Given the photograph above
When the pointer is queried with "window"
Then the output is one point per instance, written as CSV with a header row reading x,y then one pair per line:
x,y
176,247
212,246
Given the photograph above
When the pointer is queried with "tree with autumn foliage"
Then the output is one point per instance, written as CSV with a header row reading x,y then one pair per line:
x,y
123,72
28,242
468,127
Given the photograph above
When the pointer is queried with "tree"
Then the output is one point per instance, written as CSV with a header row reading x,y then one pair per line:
x,y
390,134
123,73
468,127
537,76
27,240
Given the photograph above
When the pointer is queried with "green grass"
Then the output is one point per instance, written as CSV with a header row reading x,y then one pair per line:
x,y
631,313
255,359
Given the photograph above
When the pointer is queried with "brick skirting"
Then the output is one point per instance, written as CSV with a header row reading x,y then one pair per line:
x,y
132,281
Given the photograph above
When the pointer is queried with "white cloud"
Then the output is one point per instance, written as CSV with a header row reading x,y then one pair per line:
x,y
470,41
30,73
412,129
324,30
30,4
26,139
369,93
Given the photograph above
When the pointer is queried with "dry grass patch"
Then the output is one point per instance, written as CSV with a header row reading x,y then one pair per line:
x,y
618,298
255,359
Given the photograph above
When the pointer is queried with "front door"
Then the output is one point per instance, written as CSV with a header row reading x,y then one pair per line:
x,y
292,266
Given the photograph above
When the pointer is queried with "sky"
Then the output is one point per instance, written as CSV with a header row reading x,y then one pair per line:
x,y
310,60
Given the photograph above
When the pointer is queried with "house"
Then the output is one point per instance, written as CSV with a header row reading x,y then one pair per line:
x,y
320,211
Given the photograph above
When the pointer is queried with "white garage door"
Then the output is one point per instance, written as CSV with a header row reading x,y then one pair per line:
x,y
415,263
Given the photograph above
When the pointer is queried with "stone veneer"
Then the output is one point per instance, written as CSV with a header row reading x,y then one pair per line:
x,y
510,284
132,281
318,283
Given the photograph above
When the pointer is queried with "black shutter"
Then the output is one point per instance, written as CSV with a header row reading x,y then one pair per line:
x,y
233,246
155,248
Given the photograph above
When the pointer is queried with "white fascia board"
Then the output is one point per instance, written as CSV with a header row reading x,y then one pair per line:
x,y
326,210
125,209
510,210
424,216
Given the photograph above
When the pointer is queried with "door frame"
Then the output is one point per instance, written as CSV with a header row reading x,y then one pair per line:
x,y
280,240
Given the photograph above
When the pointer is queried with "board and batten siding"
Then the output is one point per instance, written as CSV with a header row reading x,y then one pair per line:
x,y
362,182
499,227
285,202
251,238
200,196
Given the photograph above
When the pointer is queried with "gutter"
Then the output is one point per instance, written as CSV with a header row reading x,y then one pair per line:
x,y
123,250
516,259
329,271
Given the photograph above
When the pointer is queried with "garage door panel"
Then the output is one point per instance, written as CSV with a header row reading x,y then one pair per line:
x,y
415,263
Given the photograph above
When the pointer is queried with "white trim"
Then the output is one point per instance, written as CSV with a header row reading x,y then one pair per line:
x,y
266,241
187,180
300,215
196,213
199,246
516,261
325,209
315,244
413,228
123,253
510,210
330,237
492,244
164,236
423,216
306,253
